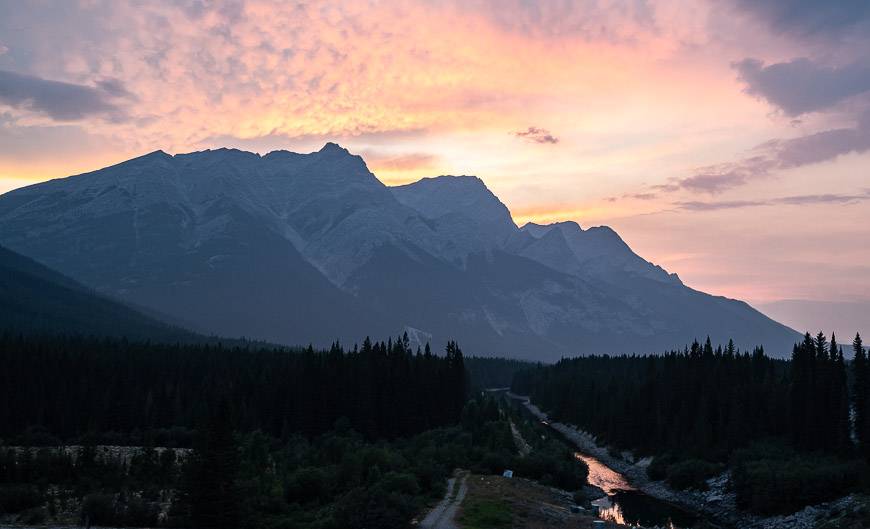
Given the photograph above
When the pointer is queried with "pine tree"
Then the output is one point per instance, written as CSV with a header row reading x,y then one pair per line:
x,y
214,495
839,397
861,395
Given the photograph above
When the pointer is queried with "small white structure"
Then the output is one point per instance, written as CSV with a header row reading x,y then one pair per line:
x,y
508,473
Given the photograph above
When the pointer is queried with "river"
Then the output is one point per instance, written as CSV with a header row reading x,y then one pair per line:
x,y
622,504
625,505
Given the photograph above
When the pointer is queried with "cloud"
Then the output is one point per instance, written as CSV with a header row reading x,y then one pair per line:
x,y
810,17
802,86
114,88
693,205
61,101
776,155
536,135
721,177
795,200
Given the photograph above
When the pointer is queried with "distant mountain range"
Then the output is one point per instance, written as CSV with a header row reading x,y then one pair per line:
x,y
298,248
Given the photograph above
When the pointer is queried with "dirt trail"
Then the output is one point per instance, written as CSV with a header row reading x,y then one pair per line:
x,y
523,447
443,515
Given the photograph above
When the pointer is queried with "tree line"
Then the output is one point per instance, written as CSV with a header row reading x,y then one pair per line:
x,y
66,388
701,400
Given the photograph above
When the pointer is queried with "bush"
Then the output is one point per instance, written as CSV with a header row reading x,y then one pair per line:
x,y
364,508
99,509
140,513
307,484
402,483
17,498
35,516
105,509
553,464
691,474
658,468
777,482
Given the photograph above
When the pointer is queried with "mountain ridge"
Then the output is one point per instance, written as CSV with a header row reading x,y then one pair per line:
x,y
299,248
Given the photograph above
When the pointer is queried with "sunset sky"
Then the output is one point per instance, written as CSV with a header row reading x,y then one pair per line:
x,y
728,141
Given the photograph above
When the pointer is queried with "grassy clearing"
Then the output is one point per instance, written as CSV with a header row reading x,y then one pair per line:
x,y
485,513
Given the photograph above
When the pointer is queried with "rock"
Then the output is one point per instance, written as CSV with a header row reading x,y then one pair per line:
x,y
587,494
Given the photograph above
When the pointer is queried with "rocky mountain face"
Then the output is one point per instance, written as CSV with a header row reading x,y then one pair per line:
x,y
298,248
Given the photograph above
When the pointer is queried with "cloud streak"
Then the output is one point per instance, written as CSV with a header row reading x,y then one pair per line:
x,y
62,101
794,200
536,135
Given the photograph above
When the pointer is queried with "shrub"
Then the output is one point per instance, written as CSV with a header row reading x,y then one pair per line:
x,y
34,516
139,513
364,508
658,468
771,482
691,474
99,509
307,484
105,509
17,498
402,483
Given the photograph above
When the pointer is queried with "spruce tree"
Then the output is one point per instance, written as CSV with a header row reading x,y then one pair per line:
x,y
861,395
214,496
839,397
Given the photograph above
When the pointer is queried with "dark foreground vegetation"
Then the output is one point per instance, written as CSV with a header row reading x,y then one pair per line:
x,y
310,439
782,427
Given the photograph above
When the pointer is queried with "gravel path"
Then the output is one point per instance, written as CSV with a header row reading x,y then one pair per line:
x,y
443,515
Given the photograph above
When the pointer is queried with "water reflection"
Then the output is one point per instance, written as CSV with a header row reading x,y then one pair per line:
x,y
603,476
624,505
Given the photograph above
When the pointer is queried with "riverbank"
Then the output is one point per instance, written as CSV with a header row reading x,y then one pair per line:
x,y
718,503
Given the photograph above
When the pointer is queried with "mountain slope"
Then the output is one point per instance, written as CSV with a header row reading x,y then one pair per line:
x,y
299,248
33,298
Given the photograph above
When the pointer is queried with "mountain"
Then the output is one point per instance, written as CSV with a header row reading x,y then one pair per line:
x,y
298,248
35,299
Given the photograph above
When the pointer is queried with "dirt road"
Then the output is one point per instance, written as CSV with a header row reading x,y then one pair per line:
x,y
443,515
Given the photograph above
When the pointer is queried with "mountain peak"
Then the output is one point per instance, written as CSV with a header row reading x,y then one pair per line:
x,y
468,195
539,230
159,154
333,148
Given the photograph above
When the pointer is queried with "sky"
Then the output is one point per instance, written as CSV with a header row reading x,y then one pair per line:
x,y
727,141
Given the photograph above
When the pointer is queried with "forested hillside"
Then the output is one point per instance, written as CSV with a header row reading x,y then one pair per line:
x,y
34,298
